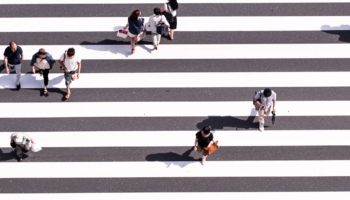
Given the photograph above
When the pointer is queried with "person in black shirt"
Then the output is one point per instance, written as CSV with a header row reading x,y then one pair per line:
x,y
13,56
204,138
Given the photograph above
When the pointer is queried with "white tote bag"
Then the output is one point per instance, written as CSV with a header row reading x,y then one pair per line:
x,y
122,33
36,148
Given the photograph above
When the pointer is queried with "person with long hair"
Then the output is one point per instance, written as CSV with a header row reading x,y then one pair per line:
x,y
137,28
171,7
153,22
44,62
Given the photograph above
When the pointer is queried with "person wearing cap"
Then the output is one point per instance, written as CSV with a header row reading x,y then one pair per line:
x,y
71,64
22,143
204,138
263,101
13,57
44,62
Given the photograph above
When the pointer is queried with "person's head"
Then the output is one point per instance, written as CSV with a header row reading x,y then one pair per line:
x,y
13,45
156,11
267,92
135,15
173,4
206,130
18,139
41,53
71,52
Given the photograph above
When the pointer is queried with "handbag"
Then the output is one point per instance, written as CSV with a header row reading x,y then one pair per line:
x,y
212,148
162,28
169,17
122,33
35,148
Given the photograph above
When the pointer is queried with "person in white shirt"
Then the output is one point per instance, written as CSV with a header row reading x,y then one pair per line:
x,y
263,101
71,64
153,22
22,143
171,7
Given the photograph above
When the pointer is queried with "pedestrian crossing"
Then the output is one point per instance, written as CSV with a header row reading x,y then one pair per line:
x,y
129,126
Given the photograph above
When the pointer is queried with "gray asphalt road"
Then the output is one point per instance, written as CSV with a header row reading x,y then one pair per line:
x,y
163,154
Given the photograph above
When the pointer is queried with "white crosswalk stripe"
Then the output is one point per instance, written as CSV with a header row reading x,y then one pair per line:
x,y
303,156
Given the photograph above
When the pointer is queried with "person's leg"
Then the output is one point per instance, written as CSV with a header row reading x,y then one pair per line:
x,y
46,79
158,39
19,152
18,76
205,155
132,42
261,119
154,37
68,81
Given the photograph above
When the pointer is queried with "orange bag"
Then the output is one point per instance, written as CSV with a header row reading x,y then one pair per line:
x,y
212,148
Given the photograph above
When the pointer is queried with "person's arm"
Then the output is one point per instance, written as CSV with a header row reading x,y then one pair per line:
x,y
32,63
79,68
22,57
126,26
257,102
62,63
6,65
274,105
195,144
163,8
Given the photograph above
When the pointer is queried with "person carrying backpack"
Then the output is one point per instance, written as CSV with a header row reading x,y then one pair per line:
x,y
155,22
171,7
263,101
44,62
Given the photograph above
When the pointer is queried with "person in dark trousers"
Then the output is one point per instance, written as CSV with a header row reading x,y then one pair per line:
x,y
171,7
21,143
44,62
13,57
137,28
263,101
204,138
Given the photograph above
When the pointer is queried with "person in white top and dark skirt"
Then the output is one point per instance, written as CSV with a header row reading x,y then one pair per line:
x,y
153,22
44,62
173,6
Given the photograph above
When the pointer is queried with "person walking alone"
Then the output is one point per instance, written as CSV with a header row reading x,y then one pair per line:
x,y
137,28
44,61
204,138
171,7
263,101
21,143
13,57
153,22
71,64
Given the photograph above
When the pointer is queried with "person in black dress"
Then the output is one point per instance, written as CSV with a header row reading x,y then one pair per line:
x,y
204,138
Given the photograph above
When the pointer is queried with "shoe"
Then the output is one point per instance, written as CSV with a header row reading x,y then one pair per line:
x,y
19,86
261,127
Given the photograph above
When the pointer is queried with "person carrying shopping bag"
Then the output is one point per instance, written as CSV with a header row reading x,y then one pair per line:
x,y
154,21
44,62
204,138
137,28
22,143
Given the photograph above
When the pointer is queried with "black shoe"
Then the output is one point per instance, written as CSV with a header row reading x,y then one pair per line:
x,y
18,86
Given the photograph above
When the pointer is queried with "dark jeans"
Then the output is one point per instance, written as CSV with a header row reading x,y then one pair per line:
x,y
19,149
46,76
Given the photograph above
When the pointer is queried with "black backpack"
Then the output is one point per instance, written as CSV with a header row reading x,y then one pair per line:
x,y
169,17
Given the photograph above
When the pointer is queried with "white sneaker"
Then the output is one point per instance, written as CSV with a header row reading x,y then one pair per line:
x,y
261,127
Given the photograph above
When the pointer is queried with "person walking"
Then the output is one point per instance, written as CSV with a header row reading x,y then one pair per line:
x,y
71,64
263,101
13,57
44,62
21,143
153,22
204,138
171,7
137,28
